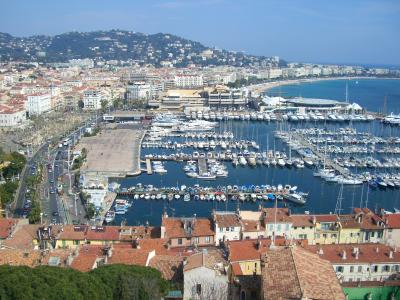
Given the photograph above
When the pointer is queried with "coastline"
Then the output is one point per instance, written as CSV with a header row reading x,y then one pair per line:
x,y
263,87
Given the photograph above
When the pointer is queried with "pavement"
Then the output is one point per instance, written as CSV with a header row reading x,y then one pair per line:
x,y
55,209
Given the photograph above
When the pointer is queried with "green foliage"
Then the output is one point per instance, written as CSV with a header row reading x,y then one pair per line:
x,y
34,214
107,282
90,210
17,163
244,82
7,191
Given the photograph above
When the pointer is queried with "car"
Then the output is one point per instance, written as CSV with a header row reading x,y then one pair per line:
x,y
52,191
54,221
51,181
55,213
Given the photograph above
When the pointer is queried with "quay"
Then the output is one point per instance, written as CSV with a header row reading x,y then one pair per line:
x,y
202,163
148,166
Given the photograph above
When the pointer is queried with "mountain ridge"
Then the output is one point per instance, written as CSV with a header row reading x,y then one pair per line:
x,y
157,49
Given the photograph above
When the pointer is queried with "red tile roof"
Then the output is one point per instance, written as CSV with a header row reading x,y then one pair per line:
x,y
392,221
226,220
87,256
290,273
170,266
175,227
282,215
367,253
6,227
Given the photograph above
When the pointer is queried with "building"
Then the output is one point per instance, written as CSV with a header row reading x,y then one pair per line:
x,y
92,100
223,96
138,91
392,229
360,262
227,226
205,276
294,273
180,99
188,81
187,232
12,116
278,222
38,104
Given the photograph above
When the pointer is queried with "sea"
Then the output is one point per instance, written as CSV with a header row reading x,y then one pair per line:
x,y
381,95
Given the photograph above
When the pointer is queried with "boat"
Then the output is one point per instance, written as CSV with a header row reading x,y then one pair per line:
x,y
186,197
110,216
295,198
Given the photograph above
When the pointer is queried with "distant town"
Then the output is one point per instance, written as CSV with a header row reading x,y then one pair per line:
x,y
76,121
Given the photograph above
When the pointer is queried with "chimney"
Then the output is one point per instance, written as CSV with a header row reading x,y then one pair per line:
x,y
357,254
258,226
258,244
137,243
377,249
390,254
344,254
314,220
320,251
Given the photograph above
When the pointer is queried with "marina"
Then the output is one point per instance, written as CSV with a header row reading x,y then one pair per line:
x,y
360,156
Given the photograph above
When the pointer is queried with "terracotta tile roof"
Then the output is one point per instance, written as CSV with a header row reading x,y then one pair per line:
x,y
128,256
87,257
208,259
16,257
236,269
369,220
247,249
282,215
226,219
252,226
290,273
367,253
23,237
348,221
175,227
170,266
302,221
6,227
392,221
326,218
83,232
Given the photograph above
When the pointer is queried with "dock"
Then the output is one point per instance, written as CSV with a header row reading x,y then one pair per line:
x,y
149,170
202,164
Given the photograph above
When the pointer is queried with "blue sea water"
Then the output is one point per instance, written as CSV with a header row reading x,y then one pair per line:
x,y
369,93
323,196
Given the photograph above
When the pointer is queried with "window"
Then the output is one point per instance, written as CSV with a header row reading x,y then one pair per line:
x,y
76,242
287,227
279,227
243,295
227,228
295,227
317,235
198,289
339,269
208,239
373,234
334,235
380,233
390,230
375,269
303,227
351,234
395,268
303,236
196,240
271,227
385,268
232,228
324,235
359,269
221,229
179,241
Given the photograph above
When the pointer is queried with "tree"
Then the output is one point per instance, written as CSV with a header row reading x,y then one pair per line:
x,y
90,210
104,105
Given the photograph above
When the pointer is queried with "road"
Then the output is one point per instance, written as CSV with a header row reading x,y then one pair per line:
x,y
55,165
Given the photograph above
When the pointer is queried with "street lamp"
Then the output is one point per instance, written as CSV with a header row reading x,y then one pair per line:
x,y
41,218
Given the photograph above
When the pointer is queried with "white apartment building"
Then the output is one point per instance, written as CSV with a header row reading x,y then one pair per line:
x,y
187,81
92,99
360,262
275,73
12,117
38,104
138,91
227,226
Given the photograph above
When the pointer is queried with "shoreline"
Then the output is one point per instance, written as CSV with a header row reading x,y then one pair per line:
x,y
263,87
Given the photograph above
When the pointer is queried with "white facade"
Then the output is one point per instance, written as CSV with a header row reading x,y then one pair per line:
x,y
12,117
92,100
183,81
205,283
139,91
38,104
365,271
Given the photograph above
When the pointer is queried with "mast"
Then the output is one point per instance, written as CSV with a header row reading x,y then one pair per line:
x,y
338,207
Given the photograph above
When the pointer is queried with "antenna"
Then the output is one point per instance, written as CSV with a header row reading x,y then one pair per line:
x,y
338,207
347,91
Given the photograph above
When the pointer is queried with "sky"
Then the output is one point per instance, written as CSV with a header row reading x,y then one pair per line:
x,y
318,31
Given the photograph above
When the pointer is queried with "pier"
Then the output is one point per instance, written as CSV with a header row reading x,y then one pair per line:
x,y
202,163
148,166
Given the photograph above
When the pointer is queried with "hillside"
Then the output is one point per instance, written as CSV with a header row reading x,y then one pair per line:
x,y
155,49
